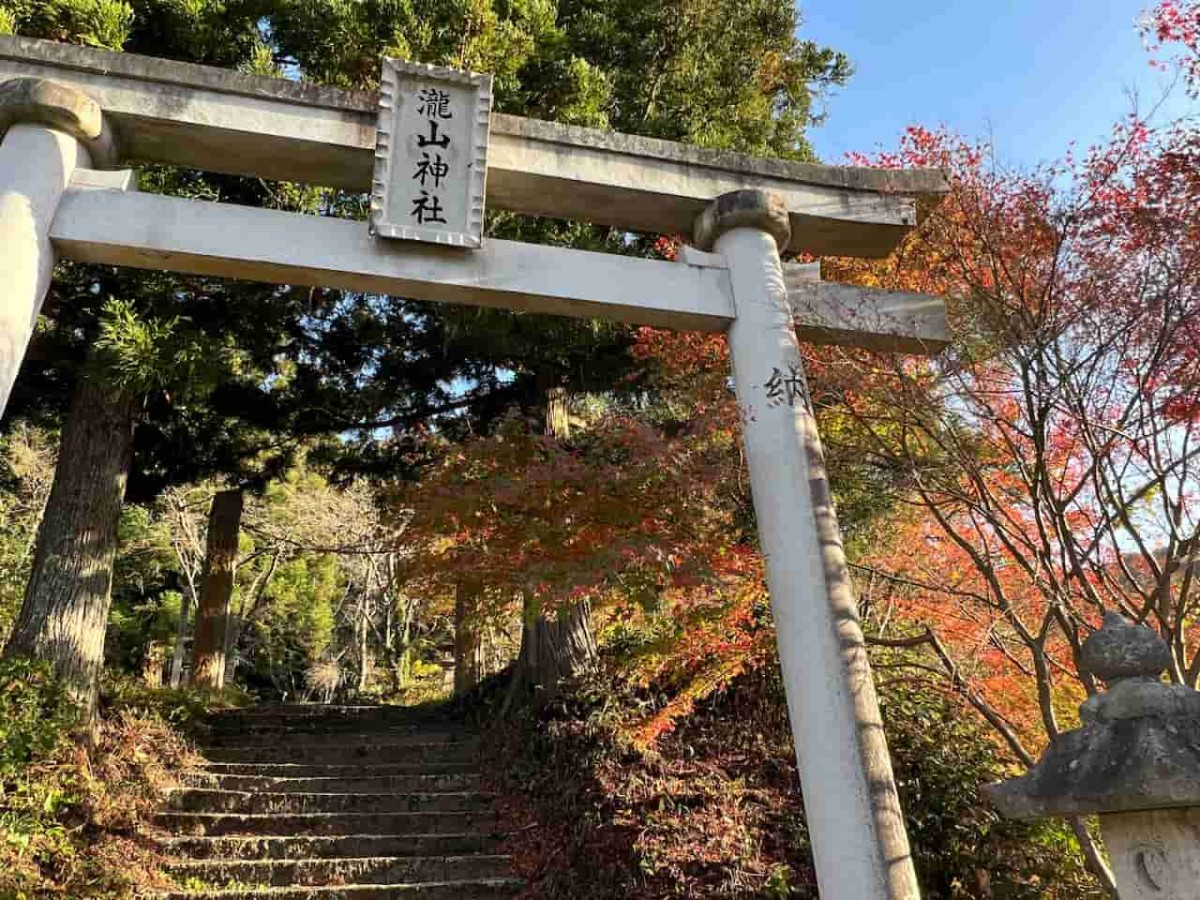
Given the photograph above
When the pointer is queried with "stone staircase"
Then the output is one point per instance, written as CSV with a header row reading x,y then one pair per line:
x,y
312,802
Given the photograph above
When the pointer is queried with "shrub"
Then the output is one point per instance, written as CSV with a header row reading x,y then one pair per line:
x,y
942,755
71,816
35,723
714,809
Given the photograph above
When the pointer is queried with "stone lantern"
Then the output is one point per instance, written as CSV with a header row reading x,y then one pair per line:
x,y
1135,762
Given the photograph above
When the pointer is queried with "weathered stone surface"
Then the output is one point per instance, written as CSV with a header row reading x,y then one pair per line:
x,y
308,847
360,871
1123,650
43,102
1113,766
223,121
351,784
1138,698
1139,747
743,209
1153,854
261,803
855,178
36,164
475,889
47,103
860,847
829,312
310,828
364,753
348,770
228,241
178,76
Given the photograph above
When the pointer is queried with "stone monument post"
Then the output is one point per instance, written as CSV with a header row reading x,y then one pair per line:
x,y
859,841
1135,762
47,130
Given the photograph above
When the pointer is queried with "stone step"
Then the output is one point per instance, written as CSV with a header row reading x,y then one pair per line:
x,y
309,710
476,889
304,802
379,784
308,724
313,715
344,754
268,847
302,727
200,823
407,738
335,770
362,870
249,803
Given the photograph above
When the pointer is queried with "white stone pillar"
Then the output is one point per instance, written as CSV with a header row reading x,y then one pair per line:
x,y
850,801
46,132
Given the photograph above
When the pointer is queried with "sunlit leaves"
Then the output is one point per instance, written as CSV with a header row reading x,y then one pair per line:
x,y
1175,24
1050,455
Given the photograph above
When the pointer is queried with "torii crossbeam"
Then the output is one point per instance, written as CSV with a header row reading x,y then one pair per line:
x,y
67,114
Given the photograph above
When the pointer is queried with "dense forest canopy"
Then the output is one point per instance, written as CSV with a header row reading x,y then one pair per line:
x,y
194,382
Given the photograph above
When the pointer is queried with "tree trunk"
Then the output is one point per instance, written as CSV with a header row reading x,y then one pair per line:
x,y
153,663
1093,857
251,604
403,653
558,413
233,633
181,632
555,648
468,641
558,646
65,611
364,648
216,590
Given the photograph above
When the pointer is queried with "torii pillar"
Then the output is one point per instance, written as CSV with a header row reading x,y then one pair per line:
x,y
47,131
854,817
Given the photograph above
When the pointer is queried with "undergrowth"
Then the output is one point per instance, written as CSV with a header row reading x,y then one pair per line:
x,y
73,817
714,809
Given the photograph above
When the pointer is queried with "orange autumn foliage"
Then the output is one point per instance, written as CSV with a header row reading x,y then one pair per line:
x,y
636,513
1049,460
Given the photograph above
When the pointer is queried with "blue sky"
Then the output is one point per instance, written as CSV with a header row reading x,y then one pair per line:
x,y
1032,74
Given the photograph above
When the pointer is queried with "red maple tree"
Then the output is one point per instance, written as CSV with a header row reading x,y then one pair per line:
x,y
1050,461
636,515
1172,22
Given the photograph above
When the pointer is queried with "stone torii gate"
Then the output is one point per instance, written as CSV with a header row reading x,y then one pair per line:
x,y
70,116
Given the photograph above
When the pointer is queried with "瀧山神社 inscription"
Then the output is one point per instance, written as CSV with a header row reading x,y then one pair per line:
x,y
431,154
